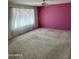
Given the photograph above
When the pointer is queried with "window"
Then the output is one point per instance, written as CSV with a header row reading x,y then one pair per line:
x,y
21,17
21,20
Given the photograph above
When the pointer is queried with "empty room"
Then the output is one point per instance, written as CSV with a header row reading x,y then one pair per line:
x,y
39,29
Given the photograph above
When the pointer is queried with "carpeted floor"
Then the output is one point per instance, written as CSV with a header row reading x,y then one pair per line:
x,y
41,44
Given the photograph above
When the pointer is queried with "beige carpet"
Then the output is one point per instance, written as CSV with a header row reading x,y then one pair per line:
x,y
41,44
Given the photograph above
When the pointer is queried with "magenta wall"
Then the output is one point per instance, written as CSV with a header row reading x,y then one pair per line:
x,y
55,16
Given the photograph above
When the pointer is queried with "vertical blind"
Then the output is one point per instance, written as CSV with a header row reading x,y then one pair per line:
x,y
21,17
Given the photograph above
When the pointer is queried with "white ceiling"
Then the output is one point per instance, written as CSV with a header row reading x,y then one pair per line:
x,y
38,2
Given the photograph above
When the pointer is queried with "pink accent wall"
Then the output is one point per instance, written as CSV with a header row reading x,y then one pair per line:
x,y
55,16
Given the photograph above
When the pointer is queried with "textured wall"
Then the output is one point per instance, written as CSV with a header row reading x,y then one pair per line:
x,y
55,16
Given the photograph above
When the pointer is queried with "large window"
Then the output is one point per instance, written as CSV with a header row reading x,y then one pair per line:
x,y
22,18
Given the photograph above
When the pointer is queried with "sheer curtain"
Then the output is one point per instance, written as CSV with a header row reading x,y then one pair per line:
x,y
22,20
22,17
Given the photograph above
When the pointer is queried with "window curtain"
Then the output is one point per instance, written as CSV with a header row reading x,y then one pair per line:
x,y
22,20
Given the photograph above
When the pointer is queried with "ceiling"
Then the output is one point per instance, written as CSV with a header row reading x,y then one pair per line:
x,y
38,2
